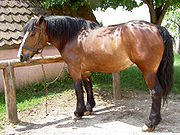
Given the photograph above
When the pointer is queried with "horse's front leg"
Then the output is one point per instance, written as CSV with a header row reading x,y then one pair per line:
x,y
80,106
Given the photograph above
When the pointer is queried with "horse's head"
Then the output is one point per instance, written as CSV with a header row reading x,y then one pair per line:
x,y
35,38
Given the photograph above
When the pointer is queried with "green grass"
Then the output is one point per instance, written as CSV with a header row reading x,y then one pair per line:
x,y
131,78
176,88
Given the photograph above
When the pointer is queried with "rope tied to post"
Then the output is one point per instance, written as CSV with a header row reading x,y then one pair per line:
x,y
48,83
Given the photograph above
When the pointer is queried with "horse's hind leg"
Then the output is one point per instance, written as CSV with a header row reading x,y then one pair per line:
x,y
88,87
156,95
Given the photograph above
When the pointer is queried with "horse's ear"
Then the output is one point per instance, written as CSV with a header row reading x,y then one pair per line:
x,y
40,20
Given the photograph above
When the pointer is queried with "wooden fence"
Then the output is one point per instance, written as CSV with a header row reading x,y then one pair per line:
x,y
9,81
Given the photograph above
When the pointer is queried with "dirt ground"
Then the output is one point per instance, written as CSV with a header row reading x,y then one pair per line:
x,y
123,117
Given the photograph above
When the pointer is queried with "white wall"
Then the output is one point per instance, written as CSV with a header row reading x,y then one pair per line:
x,y
25,75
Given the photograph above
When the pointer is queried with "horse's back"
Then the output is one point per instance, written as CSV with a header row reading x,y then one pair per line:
x,y
115,48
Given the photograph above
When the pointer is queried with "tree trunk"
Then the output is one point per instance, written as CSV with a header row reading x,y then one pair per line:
x,y
157,13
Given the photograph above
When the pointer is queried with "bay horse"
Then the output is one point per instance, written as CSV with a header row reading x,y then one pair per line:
x,y
85,47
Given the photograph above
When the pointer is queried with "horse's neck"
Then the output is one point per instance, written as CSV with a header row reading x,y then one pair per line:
x,y
56,43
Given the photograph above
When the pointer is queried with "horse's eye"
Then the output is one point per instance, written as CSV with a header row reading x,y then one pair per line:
x,y
32,35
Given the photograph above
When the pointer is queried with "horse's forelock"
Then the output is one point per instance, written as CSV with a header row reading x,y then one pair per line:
x,y
29,26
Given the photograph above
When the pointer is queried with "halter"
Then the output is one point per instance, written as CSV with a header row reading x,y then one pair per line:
x,y
34,49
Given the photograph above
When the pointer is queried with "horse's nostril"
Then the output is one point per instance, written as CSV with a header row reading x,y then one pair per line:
x,y
21,58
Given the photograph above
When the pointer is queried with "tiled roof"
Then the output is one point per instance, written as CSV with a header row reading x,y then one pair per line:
x,y
13,15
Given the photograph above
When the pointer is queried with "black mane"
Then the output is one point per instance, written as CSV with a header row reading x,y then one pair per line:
x,y
62,26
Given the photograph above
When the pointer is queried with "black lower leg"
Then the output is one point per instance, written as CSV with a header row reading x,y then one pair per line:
x,y
80,108
90,97
155,116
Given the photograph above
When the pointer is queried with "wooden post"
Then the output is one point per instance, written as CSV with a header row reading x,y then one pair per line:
x,y
116,86
10,93
9,80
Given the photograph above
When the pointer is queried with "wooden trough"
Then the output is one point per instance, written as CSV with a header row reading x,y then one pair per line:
x,y
9,81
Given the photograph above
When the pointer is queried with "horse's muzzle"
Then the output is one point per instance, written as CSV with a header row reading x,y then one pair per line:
x,y
24,57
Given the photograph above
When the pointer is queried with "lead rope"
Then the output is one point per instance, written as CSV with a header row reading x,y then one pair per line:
x,y
48,83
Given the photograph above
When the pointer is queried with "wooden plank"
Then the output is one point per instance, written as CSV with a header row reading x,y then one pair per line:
x,y
34,61
10,93
116,86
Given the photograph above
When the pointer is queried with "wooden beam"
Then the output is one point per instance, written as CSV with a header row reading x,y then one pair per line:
x,y
10,93
116,86
9,80
34,61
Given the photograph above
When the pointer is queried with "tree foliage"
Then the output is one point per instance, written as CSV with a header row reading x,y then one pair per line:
x,y
94,4
72,3
172,21
158,8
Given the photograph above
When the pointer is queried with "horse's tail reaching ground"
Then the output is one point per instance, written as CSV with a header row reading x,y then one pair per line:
x,y
165,70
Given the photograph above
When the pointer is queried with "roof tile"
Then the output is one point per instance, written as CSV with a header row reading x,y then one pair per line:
x,y
17,41
18,26
2,42
3,27
3,10
24,10
24,18
3,3
13,15
7,18
10,26
2,18
25,4
15,10
6,35
14,3
17,18
9,42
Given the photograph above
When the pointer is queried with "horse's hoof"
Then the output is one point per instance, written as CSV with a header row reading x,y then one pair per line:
x,y
145,128
75,118
87,113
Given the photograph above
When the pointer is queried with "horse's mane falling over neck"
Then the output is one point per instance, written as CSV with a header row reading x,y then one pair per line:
x,y
62,27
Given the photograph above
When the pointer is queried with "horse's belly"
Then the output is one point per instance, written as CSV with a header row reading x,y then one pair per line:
x,y
106,64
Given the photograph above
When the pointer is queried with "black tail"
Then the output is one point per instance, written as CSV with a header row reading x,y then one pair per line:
x,y
165,70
